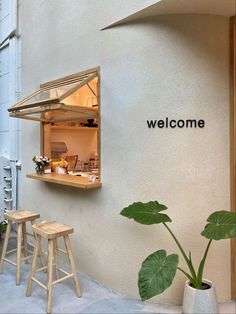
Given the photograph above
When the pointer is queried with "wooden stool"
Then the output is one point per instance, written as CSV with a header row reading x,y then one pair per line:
x,y
51,230
20,217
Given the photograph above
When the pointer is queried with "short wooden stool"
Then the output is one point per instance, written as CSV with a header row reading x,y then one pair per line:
x,y
19,217
51,230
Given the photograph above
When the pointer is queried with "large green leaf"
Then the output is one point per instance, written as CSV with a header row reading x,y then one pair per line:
x,y
222,225
146,213
156,274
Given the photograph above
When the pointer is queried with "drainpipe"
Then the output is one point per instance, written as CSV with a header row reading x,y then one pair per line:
x,y
14,124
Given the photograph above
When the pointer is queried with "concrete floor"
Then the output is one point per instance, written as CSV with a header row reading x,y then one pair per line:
x,y
95,298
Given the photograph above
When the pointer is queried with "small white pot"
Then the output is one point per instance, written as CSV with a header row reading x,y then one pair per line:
x,y
198,301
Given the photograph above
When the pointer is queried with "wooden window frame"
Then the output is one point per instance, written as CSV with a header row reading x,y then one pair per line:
x,y
45,107
46,150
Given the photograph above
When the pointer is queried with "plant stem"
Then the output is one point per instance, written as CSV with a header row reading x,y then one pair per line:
x,y
202,264
189,263
186,274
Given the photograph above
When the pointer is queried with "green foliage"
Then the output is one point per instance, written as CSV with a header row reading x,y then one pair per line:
x,y
146,213
222,225
3,226
158,270
157,273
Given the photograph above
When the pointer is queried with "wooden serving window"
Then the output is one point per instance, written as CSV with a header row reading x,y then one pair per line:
x,y
68,110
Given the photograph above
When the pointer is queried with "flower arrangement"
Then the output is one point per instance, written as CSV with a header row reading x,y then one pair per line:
x,y
41,162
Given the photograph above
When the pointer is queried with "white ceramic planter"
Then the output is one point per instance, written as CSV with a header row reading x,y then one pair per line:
x,y
200,301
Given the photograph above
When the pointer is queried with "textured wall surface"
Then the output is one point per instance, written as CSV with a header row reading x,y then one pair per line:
x,y
175,66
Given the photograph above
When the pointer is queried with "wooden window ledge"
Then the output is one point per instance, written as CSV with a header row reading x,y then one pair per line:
x,y
65,179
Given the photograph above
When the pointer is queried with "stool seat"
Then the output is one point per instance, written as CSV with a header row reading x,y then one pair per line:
x,y
52,229
20,216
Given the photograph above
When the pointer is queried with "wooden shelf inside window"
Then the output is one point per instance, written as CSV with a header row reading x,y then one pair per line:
x,y
66,179
75,128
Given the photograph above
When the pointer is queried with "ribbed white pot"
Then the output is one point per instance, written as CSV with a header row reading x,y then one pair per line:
x,y
198,301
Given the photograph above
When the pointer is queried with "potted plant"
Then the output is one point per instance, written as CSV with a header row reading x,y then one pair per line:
x,y
3,227
41,162
158,269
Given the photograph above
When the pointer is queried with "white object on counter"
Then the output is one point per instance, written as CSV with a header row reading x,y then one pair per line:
x,y
60,170
91,178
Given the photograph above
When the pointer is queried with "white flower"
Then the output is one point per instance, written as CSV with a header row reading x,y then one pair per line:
x,y
41,160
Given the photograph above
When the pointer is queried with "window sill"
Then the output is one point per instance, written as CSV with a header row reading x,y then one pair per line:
x,y
64,179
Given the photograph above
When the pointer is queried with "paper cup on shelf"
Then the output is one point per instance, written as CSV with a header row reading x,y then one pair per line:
x,y
91,178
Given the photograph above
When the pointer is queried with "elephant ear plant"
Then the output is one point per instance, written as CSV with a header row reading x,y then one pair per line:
x,y
158,269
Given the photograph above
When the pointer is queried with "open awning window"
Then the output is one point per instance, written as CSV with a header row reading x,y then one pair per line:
x,y
61,100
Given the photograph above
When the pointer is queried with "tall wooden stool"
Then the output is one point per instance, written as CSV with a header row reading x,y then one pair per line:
x,y
51,230
19,217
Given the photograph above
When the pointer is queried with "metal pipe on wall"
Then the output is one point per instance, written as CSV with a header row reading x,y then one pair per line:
x,y
13,92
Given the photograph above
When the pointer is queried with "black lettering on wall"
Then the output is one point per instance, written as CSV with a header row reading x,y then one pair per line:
x,y
151,123
171,123
166,123
191,123
180,123
160,123
201,123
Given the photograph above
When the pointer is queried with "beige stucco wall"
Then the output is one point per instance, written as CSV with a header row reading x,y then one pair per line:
x,y
175,66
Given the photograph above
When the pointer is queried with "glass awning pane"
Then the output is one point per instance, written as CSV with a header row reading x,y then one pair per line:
x,y
76,93
50,94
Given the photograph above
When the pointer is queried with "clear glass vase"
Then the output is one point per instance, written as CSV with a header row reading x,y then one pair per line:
x,y
39,169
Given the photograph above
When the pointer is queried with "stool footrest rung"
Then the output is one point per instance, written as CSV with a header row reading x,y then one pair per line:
x,y
27,257
30,234
11,251
62,251
62,279
63,271
41,269
8,261
39,283
14,264
14,250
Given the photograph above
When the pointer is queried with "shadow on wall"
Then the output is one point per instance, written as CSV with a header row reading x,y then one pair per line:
x,y
199,45
58,191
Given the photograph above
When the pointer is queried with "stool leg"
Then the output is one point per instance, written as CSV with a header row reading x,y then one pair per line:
x,y
72,264
56,257
6,240
40,252
18,263
25,242
33,266
49,283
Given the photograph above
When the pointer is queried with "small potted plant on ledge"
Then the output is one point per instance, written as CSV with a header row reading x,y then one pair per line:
x,y
158,269
41,163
